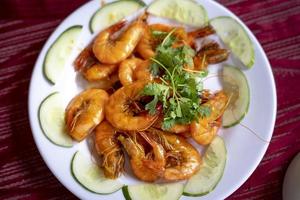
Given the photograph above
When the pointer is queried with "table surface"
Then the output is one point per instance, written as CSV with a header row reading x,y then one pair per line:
x,y
26,25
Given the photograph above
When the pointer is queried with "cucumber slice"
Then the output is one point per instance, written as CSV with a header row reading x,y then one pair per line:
x,y
91,177
59,52
211,170
171,191
52,120
236,38
113,12
185,11
236,86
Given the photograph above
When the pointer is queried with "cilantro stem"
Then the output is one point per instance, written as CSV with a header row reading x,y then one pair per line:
x,y
174,89
168,72
203,61
167,37
194,71
165,82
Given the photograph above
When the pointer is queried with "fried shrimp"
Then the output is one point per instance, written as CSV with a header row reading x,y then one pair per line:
x,y
146,46
142,72
179,32
112,51
109,149
201,32
176,128
147,167
210,53
126,70
149,106
99,72
85,112
90,68
119,109
205,129
180,128
183,160
134,69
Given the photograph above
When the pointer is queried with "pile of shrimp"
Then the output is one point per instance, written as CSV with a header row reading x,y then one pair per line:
x,y
119,60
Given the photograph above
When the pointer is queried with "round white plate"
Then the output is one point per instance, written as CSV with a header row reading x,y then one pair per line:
x,y
245,150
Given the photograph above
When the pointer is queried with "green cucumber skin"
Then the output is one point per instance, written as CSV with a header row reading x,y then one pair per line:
x,y
92,18
127,196
194,195
40,123
126,193
74,176
47,53
205,193
142,3
247,108
203,9
238,121
252,61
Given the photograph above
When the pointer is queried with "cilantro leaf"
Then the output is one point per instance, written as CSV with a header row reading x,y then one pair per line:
x,y
160,93
168,123
179,89
154,69
204,111
158,34
151,106
155,89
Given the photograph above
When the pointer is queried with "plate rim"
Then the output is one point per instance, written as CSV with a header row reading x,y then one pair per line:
x,y
274,91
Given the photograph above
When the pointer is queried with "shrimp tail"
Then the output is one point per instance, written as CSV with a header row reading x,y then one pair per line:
x,y
143,17
85,59
116,27
202,32
156,168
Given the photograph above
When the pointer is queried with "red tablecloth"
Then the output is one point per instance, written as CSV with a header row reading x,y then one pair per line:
x,y
24,28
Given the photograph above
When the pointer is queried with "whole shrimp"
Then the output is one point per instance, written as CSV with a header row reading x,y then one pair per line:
x,y
91,69
108,148
134,69
205,129
127,68
85,112
210,53
201,32
146,46
99,72
112,51
109,84
179,32
143,73
123,112
180,128
176,128
183,160
147,167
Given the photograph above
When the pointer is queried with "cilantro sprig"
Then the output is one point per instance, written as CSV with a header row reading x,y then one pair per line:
x,y
179,89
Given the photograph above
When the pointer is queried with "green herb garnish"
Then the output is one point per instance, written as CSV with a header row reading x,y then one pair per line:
x,y
179,90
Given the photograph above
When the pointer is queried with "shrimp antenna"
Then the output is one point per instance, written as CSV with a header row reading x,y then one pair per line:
x,y
244,126
251,131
